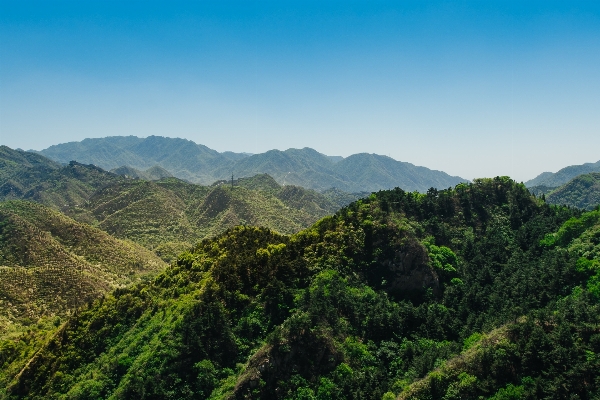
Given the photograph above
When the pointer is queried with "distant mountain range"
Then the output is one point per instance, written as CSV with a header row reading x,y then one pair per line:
x,y
305,167
563,176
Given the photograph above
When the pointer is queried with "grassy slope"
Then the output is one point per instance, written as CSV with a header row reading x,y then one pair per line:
x,y
363,303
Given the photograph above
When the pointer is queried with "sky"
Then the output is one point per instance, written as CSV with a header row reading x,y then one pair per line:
x,y
473,88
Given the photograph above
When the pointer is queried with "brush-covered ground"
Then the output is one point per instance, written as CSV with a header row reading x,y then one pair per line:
x,y
171,215
50,264
482,291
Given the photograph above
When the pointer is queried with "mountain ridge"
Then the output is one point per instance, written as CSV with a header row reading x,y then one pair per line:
x,y
302,167
564,175
167,215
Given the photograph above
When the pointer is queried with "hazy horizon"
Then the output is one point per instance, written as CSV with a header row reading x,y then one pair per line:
x,y
473,89
289,148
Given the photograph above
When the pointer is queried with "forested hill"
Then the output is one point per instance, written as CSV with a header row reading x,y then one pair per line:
x,y
482,291
563,176
302,167
170,215
582,192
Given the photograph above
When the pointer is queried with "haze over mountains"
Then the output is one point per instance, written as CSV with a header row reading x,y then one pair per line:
x,y
381,291
302,167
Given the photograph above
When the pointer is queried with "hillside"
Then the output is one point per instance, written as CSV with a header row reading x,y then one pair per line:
x,y
482,290
30,176
582,192
51,264
170,215
372,172
563,176
301,167
182,158
167,215
151,174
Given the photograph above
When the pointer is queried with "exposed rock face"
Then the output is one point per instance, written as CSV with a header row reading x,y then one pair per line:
x,y
411,270
403,267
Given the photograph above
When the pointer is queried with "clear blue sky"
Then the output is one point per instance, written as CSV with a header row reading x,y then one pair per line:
x,y
474,88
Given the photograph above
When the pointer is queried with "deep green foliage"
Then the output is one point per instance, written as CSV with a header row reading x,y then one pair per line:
x,y
450,294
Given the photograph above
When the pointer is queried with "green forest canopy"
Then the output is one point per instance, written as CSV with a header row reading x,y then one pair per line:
x,y
482,291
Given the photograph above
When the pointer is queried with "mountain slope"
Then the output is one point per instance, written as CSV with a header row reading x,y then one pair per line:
x,y
563,176
362,305
301,167
151,174
581,192
30,176
372,172
174,214
167,215
182,158
51,264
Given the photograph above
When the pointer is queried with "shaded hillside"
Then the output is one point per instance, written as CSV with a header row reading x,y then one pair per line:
x,y
50,264
372,172
301,167
182,158
563,176
167,215
365,304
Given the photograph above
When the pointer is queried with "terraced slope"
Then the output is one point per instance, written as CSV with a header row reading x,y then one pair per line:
x,y
51,264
